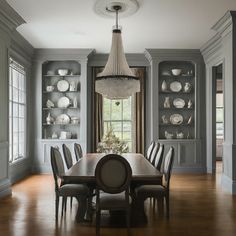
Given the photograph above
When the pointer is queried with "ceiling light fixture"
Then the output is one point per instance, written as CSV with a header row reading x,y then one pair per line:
x,y
117,81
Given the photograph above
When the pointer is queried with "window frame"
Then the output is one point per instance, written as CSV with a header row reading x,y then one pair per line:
x,y
23,71
120,121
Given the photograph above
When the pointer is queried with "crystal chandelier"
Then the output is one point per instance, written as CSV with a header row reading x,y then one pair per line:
x,y
117,81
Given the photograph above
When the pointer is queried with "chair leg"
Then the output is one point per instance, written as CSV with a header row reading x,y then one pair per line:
x,y
160,204
128,220
167,206
71,200
56,206
65,203
98,216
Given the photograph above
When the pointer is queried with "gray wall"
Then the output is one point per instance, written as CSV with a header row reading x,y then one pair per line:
x,y
221,50
11,44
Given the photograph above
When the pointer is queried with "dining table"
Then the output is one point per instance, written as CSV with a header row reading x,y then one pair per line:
x,y
83,172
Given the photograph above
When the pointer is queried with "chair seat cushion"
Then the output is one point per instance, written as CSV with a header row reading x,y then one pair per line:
x,y
109,201
150,191
73,190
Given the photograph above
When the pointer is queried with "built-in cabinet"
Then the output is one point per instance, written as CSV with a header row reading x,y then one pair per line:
x,y
60,111
61,100
177,106
176,100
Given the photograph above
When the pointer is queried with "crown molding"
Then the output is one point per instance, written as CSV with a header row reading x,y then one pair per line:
x,y
9,18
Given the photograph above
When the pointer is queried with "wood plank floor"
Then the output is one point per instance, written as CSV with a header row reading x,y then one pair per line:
x,y
198,208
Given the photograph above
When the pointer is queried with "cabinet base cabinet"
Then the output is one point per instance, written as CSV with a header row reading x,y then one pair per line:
x,y
187,155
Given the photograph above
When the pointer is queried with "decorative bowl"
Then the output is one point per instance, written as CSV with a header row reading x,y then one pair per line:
x,y
62,72
176,71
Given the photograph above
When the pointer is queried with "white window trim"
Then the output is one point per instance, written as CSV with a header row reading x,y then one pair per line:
x,y
20,159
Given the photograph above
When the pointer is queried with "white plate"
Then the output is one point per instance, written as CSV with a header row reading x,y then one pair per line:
x,y
179,103
63,85
63,102
63,119
175,86
176,119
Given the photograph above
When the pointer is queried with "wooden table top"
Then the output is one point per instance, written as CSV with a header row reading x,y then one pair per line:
x,y
84,170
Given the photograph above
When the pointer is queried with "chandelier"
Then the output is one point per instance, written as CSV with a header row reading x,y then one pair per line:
x,y
117,81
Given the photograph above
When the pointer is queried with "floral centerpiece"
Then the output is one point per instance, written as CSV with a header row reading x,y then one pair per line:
x,y
112,144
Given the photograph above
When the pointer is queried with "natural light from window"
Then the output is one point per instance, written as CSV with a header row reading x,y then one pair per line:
x,y
17,111
117,115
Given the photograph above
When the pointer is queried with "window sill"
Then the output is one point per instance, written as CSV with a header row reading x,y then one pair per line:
x,y
19,161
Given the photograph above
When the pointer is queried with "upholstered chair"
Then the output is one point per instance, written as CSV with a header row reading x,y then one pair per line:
x,y
159,157
149,150
67,156
158,191
79,191
154,153
113,174
78,151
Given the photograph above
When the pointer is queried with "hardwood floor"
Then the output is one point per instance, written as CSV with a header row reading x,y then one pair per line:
x,y
198,208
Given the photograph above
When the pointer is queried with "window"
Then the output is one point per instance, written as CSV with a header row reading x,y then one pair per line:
x,y
17,111
117,115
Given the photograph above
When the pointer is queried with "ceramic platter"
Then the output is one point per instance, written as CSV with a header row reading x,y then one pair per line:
x,y
63,119
63,85
176,119
179,103
175,86
63,102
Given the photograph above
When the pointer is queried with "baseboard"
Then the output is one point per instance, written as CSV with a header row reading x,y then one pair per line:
x,y
189,170
46,169
228,185
5,188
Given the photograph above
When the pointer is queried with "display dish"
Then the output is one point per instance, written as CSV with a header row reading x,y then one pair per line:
x,y
63,102
175,86
178,103
176,71
63,72
63,119
63,85
176,119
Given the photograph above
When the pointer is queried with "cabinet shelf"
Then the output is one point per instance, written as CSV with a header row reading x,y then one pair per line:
x,y
177,76
47,92
45,124
58,108
176,93
61,76
176,109
173,125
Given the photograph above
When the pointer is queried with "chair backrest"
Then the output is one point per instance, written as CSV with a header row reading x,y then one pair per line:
x,y
57,165
149,150
78,151
168,164
113,174
159,157
154,153
67,156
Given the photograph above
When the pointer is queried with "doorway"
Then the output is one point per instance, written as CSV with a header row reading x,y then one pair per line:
x,y
219,116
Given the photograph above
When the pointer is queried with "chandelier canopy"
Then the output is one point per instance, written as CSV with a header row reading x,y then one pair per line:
x,y
117,81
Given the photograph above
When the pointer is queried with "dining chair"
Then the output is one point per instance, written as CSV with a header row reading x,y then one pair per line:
x,y
67,156
158,191
78,151
154,153
149,150
79,191
159,157
69,163
113,174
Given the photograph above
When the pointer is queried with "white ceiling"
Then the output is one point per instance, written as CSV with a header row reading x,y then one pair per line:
x,y
157,24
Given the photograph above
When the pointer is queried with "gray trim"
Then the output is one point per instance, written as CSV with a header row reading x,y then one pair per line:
x,y
228,184
5,188
9,18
